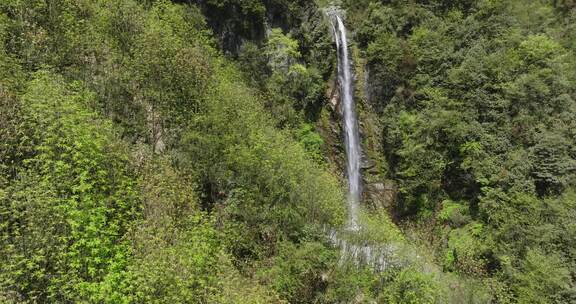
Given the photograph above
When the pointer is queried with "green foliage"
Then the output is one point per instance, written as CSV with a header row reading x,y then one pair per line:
x,y
294,90
251,10
537,49
360,285
237,288
267,188
379,228
298,271
347,283
171,66
281,50
414,287
465,251
453,213
312,142
477,101
136,165
552,164
176,249
544,279
70,202
176,264
209,184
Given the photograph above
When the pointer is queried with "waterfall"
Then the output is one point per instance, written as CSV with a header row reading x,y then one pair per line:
x,y
354,249
357,247
351,133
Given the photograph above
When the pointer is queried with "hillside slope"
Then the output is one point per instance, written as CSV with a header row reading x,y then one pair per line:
x,y
163,151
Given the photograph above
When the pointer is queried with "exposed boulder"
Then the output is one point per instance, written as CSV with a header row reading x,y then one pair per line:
x,y
381,195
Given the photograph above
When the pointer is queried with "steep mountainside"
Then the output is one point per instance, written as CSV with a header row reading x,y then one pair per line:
x,y
156,151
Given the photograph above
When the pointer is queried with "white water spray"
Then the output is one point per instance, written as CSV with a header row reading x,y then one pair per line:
x,y
356,247
354,250
351,133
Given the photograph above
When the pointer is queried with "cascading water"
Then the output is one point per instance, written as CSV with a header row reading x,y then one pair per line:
x,y
352,248
351,134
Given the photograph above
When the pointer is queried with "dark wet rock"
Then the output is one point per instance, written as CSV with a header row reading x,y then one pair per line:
x,y
381,195
368,164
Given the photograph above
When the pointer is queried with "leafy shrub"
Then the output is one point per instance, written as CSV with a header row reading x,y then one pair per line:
x,y
71,201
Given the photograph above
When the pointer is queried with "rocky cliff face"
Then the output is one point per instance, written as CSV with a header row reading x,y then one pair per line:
x,y
236,24
379,191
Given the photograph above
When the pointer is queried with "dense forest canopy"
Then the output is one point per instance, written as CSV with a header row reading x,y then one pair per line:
x,y
156,151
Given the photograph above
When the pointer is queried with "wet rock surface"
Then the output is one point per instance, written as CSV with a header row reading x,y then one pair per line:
x,y
381,195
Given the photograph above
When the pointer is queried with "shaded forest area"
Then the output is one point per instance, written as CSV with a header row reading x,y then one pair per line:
x,y
176,151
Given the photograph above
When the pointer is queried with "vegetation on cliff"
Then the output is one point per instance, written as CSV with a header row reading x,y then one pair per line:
x,y
161,151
